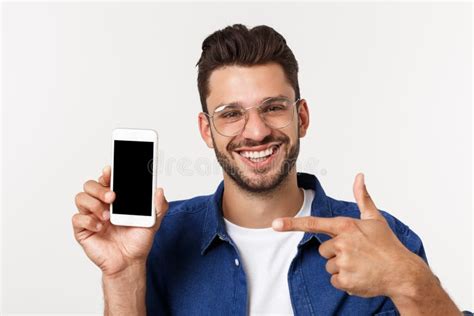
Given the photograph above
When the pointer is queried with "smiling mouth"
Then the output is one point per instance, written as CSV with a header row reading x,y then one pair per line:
x,y
259,156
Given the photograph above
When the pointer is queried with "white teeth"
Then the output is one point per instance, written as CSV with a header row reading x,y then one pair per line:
x,y
258,154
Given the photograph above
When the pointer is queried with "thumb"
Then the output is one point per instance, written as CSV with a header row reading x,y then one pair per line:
x,y
367,207
161,206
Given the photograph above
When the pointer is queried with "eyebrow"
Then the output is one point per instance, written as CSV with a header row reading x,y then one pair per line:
x,y
237,103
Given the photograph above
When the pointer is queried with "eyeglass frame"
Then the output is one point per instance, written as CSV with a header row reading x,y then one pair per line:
x,y
246,111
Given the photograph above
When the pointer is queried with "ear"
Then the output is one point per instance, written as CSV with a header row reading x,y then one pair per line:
x,y
303,115
205,129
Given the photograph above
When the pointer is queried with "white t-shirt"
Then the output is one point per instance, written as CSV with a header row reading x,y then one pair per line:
x,y
266,256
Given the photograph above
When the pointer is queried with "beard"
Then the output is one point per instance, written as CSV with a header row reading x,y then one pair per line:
x,y
266,181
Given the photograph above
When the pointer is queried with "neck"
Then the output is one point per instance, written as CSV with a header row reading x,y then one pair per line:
x,y
258,210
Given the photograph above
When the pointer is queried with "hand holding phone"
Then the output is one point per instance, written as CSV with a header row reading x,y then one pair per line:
x,y
112,248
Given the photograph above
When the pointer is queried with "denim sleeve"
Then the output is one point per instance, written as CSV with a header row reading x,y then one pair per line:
x,y
155,296
413,242
410,239
406,236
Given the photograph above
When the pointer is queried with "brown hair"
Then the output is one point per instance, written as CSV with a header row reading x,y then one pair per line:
x,y
238,45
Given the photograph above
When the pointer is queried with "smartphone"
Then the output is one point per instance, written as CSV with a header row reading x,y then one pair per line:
x,y
133,177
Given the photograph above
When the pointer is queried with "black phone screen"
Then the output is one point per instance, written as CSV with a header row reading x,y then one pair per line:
x,y
133,177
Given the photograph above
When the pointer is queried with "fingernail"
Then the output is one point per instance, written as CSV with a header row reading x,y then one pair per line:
x,y
109,195
106,215
99,226
277,224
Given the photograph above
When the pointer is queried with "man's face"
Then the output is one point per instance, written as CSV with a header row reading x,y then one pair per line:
x,y
277,149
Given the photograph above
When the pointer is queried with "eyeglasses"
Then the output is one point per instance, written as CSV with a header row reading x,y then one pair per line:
x,y
230,119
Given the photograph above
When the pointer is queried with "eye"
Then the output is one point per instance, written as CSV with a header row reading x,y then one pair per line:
x,y
274,107
230,114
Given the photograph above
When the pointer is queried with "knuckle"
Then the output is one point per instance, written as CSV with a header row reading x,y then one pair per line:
x,y
324,254
89,221
347,224
101,194
322,250
339,244
325,250
91,187
79,199
330,265
323,246
96,206
76,220
309,224
335,280
87,185
342,261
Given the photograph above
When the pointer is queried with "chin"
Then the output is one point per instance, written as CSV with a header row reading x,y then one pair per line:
x,y
266,185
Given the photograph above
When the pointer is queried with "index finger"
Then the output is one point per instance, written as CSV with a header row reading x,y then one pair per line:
x,y
104,179
98,191
330,226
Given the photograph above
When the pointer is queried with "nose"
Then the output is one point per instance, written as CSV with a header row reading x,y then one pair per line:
x,y
255,128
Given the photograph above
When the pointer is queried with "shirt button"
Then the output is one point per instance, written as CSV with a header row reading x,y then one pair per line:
x,y
236,262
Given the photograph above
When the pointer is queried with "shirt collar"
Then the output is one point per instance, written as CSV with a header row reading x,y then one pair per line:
x,y
214,228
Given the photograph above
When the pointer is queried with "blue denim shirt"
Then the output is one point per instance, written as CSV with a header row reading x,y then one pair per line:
x,y
194,267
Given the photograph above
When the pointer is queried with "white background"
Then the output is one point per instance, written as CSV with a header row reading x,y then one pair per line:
x,y
389,90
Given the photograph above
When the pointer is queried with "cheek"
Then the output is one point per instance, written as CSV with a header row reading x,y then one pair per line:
x,y
291,132
220,144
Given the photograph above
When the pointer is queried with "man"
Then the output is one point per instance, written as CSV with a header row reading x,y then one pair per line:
x,y
269,241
